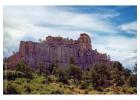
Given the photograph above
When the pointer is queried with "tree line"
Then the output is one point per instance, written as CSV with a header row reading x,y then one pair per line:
x,y
99,76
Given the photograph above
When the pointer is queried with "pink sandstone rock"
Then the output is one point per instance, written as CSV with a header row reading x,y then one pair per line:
x,y
57,49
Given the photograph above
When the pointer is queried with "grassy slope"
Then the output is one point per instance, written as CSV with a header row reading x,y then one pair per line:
x,y
39,85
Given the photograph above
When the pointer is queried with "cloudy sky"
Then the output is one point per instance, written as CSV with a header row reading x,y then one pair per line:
x,y
112,28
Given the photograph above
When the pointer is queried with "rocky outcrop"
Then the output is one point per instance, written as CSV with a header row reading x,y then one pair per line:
x,y
58,49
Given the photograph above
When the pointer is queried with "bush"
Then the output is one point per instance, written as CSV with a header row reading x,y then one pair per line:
x,y
52,78
9,88
58,91
75,73
129,90
116,90
21,80
39,79
100,89
63,75
24,68
86,91
84,85
12,75
132,81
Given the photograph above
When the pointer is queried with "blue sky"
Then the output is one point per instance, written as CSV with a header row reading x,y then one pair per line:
x,y
113,29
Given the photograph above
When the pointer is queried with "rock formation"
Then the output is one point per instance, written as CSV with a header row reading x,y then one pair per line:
x,y
57,49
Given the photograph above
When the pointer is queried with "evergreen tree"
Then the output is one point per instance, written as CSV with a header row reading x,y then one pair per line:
x,y
23,67
40,68
74,71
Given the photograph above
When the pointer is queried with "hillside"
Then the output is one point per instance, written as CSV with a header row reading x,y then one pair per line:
x,y
102,78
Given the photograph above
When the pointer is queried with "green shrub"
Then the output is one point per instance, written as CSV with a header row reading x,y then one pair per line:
x,y
58,91
52,78
63,75
21,80
84,85
9,88
132,82
39,79
129,90
12,75
24,68
86,91
100,89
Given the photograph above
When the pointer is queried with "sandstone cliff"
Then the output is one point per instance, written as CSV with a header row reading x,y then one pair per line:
x,y
57,49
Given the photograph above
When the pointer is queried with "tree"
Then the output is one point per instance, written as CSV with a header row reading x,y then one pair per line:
x,y
23,67
46,73
40,68
5,63
118,65
133,77
100,75
132,81
63,75
74,71
117,77
72,61
135,68
127,72
94,78
53,68
86,75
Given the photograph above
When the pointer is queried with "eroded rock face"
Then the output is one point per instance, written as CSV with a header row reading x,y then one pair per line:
x,y
57,49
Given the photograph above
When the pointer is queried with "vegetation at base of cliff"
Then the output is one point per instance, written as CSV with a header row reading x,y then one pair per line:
x,y
102,78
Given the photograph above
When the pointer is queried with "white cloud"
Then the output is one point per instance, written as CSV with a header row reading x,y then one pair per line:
x,y
129,27
54,17
120,48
